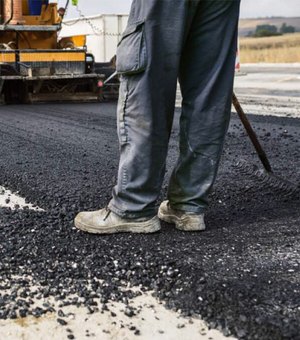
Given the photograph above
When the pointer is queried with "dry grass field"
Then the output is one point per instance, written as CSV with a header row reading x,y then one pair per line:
x,y
279,49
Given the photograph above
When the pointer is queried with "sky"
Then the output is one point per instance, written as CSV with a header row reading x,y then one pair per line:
x,y
249,8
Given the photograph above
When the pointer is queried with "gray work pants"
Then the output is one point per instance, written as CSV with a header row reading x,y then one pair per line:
x,y
194,41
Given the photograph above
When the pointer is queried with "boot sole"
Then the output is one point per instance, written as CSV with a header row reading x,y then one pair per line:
x,y
147,227
180,222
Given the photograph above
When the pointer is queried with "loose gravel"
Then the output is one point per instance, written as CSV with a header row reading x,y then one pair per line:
x,y
241,275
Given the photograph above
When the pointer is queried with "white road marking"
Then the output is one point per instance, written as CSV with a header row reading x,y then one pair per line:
x,y
151,319
8,199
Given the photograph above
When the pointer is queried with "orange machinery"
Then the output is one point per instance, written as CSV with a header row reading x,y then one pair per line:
x,y
34,65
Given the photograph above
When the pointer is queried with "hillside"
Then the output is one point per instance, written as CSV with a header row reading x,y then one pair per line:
x,y
248,25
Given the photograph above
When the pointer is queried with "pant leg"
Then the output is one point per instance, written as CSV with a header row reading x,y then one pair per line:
x,y
206,80
148,60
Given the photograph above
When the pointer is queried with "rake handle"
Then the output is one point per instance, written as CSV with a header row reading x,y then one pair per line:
x,y
251,133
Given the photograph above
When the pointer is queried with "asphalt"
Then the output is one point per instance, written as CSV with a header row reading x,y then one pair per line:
x,y
242,275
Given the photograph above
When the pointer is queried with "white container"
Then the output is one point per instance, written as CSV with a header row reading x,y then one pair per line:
x,y
103,32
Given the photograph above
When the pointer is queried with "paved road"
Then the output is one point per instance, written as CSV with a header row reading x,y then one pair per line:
x,y
270,89
241,275
269,80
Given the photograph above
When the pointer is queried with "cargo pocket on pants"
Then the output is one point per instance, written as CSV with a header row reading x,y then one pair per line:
x,y
132,50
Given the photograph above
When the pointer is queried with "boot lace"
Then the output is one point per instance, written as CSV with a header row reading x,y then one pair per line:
x,y
108,211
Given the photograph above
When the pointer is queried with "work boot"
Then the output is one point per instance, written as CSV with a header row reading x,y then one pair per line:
x,y
183,220
105,221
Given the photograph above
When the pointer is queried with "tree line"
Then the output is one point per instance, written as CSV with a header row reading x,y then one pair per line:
x,y
271,30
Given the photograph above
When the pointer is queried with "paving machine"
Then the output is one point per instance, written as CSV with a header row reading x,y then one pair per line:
x,y
34,64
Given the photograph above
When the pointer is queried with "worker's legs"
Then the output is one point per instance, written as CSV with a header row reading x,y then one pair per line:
x,y
148,58
206,79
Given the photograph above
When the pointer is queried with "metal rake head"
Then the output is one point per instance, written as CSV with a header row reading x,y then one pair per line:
x,y
279,185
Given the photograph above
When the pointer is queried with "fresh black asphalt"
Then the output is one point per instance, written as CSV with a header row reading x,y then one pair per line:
x,y
242,275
